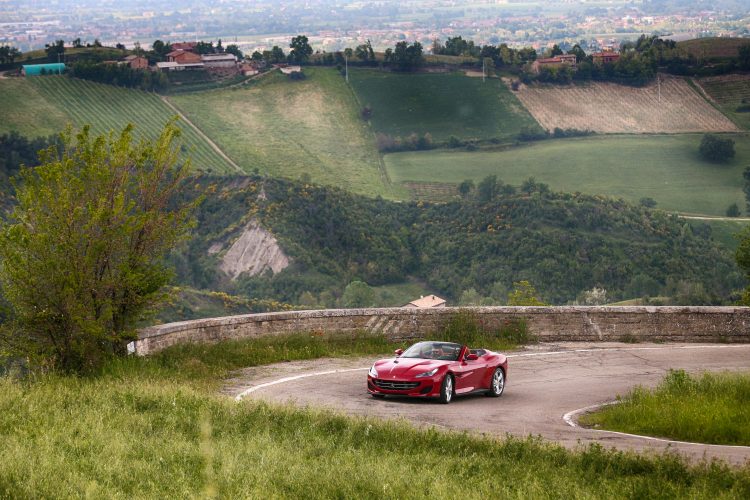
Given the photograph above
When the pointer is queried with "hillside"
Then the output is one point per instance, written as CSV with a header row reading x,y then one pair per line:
x,y
292,129
666,168
564,244
731,93
442,104
44,105
713,48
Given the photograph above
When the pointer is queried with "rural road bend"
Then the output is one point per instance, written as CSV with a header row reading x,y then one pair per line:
x,y
544,383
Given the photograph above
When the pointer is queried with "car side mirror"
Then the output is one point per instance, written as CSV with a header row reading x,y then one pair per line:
x,y
399,352
471,357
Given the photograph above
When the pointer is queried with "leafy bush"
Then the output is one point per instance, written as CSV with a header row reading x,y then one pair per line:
x,y
716,149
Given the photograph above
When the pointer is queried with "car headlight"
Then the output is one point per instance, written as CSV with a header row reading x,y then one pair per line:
x,y
428,374
373,372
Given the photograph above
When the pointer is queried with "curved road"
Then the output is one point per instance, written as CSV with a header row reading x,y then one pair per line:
x,y
545,382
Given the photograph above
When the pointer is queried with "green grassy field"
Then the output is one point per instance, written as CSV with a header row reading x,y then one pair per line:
x,y
157,427
724,231
292,128
729,92
44,105
443,104
665,168
711,408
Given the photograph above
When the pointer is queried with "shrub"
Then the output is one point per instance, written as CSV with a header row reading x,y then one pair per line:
x,y
716,149
733,210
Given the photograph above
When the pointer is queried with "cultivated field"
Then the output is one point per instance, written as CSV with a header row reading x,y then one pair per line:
x,y
44,105
713,48
443,104
666,168
611,108
728,92
291,128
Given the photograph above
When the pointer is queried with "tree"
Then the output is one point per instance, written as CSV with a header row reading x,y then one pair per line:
x,y
55,50
555,51
301,50
716,149
524,294
83,255
358,294
77,43
9,54
235,50
407,57
733,210
743,53
465,188
487,188
578,52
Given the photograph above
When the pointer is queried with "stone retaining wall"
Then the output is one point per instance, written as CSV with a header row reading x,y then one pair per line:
x,y
568,323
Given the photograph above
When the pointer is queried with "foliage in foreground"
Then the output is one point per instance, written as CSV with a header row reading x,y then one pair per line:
x,y
711,408
83,255
149,436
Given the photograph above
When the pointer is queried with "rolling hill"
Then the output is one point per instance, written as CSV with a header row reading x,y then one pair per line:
x,y
442,104
44,105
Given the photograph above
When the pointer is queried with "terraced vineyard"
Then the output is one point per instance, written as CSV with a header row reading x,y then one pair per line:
x,y
104,107
729,92
612,108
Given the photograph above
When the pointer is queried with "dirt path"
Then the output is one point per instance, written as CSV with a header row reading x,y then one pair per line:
x,y
545,382
713,217
200,133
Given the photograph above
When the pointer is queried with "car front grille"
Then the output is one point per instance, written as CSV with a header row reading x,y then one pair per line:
x,y
396,385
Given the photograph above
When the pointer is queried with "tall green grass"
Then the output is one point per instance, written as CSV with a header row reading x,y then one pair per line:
x,y
710,408
156,428
67,437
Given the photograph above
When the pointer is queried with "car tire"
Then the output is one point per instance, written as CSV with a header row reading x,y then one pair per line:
x,y
446,389
497,383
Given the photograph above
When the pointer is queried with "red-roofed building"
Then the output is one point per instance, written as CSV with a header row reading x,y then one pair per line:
x,y
605,57
186,46
554,62
182,57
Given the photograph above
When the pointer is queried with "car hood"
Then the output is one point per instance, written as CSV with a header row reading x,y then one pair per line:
x,y
406,367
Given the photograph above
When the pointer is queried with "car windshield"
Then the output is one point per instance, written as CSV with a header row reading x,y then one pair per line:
x,y
447,351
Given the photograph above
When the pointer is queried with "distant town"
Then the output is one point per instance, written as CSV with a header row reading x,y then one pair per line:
x,y
335,24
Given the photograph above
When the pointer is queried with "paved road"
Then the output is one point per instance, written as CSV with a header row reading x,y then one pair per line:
x,y
545,382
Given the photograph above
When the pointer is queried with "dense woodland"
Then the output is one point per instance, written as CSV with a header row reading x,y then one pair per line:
x,y
496,235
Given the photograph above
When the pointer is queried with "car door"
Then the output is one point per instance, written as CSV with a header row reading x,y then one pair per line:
x,y
468,373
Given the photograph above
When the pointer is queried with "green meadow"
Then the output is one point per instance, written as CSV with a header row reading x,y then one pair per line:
x,y
666,168
443,104
296,129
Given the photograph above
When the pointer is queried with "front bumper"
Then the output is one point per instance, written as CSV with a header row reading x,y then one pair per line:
x,y
421,387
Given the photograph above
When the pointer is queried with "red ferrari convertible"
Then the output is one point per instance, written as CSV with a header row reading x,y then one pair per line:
x,y
439,370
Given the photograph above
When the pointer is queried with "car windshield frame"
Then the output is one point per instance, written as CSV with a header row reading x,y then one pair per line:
x,y
433,350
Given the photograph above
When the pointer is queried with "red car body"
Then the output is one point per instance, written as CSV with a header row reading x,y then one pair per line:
x,y
423,371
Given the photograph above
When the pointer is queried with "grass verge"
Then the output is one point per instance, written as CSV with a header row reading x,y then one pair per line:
x,y
711,408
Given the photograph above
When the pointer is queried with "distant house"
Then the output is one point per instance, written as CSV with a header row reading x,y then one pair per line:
x,y
219,60
43,69
288,70
185,46
175,66
248,69
426,302
183,57
554,62
605,57
136,62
